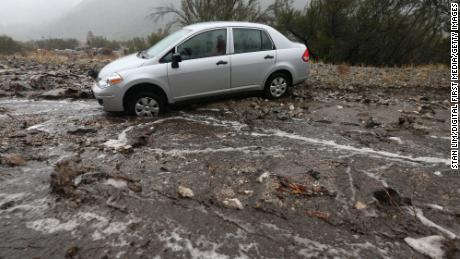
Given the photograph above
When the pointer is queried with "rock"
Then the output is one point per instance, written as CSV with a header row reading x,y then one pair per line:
x,y
319,214
7,205
248,192
397,140
61,93
134,186
291,107
372,123
71,252
233,204
38,81
406,120
225,193
315,174
425,108
14,160
3,93
390,197
18,87
431,246
85,94
63,179
185,192
360,206
421,129
80,131
263,176
283,117
452,248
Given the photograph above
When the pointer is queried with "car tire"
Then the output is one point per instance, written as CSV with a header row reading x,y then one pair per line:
x,y
277,85
146,104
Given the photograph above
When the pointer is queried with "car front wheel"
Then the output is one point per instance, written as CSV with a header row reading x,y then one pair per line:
x,y
146,104
277,86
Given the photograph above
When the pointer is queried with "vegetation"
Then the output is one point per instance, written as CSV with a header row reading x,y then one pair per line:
x,y
94,41
193,11
138,44
368,32
8,45
52,44
384,32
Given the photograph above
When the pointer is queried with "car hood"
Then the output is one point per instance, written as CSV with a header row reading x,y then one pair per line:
x,y
121,64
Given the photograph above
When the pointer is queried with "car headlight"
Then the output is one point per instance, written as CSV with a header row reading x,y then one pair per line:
x,y
111,80
114,79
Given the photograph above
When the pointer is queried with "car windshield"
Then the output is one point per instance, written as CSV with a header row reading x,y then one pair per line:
x,y
166,43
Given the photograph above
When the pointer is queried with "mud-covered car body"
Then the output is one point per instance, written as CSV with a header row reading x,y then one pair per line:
x,y
203,60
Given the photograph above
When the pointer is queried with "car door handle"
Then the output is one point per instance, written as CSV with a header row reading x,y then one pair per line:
x,y
269,57
222,63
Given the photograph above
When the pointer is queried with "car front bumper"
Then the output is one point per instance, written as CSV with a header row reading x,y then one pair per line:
x,y
110,98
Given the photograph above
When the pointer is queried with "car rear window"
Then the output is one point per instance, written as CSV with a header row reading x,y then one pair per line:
x,y
251,40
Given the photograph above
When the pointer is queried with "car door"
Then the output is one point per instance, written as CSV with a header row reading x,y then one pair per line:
x,y
205,66
253,57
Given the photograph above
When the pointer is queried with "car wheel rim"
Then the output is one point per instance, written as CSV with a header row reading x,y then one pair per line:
x,y
147,107
278,86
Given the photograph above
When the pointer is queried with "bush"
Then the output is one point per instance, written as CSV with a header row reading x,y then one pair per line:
x,y
8,45
139,44
194,11
52,44
384,32
100,42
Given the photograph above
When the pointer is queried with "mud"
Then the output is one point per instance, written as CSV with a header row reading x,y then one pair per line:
x,y
342,168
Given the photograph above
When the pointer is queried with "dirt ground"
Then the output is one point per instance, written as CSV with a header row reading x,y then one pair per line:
x,y
352,164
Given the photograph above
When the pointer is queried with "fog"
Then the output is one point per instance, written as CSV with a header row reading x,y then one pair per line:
x,y
114,19
32,12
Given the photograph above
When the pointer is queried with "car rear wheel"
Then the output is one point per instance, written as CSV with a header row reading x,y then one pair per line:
x,y
277,86
146,104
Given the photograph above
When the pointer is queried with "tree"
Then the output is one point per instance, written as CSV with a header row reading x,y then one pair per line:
x,y
101,42
89,38
194,11
8,45
137,44
384,32
52,44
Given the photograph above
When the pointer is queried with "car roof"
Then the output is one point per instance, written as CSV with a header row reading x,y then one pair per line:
x,y
210,25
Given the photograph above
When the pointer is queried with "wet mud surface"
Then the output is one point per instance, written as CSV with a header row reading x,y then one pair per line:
x,y
332,171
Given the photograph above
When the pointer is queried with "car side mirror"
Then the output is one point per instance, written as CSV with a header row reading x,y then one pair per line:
x,y
176,59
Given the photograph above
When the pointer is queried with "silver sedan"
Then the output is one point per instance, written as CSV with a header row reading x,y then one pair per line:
x,y
203,60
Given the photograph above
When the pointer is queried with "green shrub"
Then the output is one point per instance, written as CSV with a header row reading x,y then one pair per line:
x,y
8,45
383,32
52,44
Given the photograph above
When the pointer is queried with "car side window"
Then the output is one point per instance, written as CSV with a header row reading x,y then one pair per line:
x,y
207,44
168,57
251,40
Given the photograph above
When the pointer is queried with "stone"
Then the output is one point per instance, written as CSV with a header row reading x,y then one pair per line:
x,y
360,206
263,176
14,160
61,93
233,204
185,192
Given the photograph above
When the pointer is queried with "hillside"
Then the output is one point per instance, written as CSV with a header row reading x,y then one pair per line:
x,y
117,19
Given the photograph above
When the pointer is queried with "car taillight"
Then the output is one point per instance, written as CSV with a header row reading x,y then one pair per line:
x,y
306,56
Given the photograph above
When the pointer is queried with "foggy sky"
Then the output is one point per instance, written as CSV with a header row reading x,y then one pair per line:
x,y
114,19
13,12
